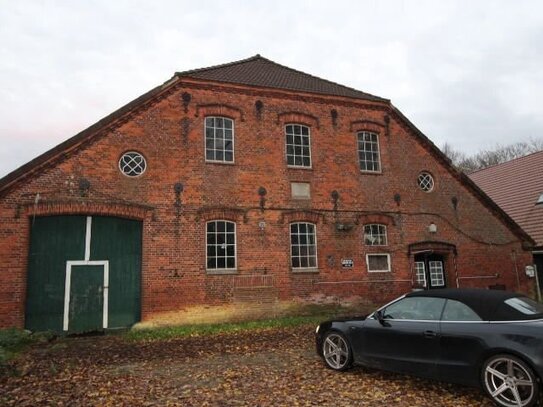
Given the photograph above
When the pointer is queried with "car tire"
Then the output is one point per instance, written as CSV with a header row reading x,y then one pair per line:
x,y
336,351
510,381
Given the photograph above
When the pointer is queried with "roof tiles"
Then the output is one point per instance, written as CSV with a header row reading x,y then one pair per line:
x,y
516,186
259,71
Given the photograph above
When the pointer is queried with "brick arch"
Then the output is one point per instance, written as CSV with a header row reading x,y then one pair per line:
x,y
229,214
219,109
122,210
298,117
367,125
301,216
380,218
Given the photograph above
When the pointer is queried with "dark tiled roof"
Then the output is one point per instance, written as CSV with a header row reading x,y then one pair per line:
x,y
259,71
516,186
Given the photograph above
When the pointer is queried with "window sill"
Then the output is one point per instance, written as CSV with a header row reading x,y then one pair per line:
x,y
299,167
221,271
365,172
379,271
220,162
305,270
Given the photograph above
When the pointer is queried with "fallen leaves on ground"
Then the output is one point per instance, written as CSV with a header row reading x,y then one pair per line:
x,y
277,367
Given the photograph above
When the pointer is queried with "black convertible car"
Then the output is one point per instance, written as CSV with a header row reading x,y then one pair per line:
x,y
470,336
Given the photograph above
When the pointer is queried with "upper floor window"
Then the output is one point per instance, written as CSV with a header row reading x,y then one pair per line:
x,y
298,145
219,139
220,245
425,181
303,245
368,151
375,235
132,164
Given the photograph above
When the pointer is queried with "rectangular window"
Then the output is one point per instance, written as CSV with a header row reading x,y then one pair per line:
x,y
303,246
298,145
420,273
368,152
375,235
219,139
378,262
437,278
220,245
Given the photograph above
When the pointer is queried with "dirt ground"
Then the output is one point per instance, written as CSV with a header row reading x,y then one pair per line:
x,y
276,367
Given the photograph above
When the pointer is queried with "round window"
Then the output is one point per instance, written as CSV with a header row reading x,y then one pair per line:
x,y
425,181
132,164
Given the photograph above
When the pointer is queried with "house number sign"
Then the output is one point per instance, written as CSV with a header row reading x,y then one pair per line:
x,y
347,263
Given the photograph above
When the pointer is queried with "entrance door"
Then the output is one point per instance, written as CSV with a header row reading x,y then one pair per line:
x,y
430,270
85,311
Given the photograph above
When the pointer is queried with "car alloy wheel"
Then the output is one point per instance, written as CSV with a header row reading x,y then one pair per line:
x,y
336,351
510,382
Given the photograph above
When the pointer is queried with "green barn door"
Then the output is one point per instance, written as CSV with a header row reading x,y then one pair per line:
x,y
86,305
83,274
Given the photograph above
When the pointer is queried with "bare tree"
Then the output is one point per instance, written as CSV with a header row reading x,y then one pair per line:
x,y
497,155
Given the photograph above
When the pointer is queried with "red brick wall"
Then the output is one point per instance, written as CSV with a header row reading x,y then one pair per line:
x,y
174,279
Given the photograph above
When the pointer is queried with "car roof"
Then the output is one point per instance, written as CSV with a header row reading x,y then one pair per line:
x,y
488,304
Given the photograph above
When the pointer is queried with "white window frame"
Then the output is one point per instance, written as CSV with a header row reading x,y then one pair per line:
x,y
420,271
121,168
378,254
358,151
226,269
299,268
308,167
223,161
382,232
433,276
425,175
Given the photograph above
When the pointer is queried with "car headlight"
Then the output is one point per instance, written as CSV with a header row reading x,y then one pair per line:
x,y
317,330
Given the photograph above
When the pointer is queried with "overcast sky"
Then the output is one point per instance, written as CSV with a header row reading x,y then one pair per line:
x,y
469,73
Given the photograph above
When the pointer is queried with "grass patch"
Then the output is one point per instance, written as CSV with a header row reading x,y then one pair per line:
x,y
13,341
212,329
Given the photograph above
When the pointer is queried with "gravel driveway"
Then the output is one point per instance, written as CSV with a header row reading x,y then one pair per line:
x,y
276,367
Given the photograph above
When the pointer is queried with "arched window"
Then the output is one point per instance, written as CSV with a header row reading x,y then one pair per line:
x,y
220,245
368,151
219,133
303,245
298,145
375,235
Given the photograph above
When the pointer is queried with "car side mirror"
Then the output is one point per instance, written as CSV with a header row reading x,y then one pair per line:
x,y
381,318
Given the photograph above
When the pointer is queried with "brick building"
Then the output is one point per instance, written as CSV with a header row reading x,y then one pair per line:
x,y
240,190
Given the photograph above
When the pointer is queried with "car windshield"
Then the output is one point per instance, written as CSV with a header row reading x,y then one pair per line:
x,y
525,305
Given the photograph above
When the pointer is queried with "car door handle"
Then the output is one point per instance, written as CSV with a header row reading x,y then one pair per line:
x,y
430,334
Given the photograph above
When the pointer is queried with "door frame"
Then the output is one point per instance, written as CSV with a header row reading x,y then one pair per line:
x,y
446,250
68,283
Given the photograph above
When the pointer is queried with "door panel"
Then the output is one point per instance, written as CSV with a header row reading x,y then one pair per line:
x,y
86,308
119,241
54,240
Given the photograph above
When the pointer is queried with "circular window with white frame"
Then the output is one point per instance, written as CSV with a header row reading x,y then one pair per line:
x,y
425,181
132,164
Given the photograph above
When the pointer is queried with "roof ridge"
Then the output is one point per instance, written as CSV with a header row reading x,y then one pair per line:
x,y
260,57
208,68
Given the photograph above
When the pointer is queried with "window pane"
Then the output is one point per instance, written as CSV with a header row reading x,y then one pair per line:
x,y
221,262
228,124
456,311
378,262
415,308
211,263
228,156
230,262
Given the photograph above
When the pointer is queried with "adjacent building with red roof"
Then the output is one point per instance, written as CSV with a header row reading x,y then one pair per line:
x,y
517,187
238,191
